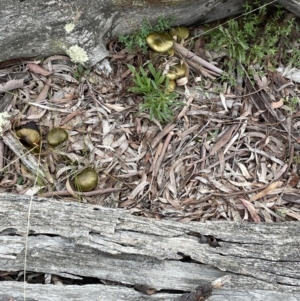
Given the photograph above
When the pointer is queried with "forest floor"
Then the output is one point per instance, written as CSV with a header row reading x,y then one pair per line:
x,y
231,152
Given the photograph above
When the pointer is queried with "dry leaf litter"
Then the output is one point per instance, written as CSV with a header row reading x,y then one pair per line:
x,y
228,154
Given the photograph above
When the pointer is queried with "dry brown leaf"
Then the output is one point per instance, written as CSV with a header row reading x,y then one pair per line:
x,y
185,108
189,201
44,93
66,77
293,214
116,108
56,57
250,208
137,190
277,104
71,191
35,111
280,172
294,180
12,84
127,203
223,140
163,152
173,202
260,205
219,185
70,116
235,215
38,69
182,81
267,216
172,184
36,116
264,192
157,154
223,100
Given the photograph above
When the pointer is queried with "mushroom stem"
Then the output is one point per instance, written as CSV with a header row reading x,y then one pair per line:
x,y
192,56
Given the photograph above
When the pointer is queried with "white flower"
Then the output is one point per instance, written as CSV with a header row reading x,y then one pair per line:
x,y
77,54
69,27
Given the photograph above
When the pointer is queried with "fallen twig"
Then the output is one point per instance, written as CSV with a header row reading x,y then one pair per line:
x,y
90,193
192,56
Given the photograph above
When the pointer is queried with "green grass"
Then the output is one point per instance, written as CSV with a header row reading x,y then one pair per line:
x,y
297,159
291,102
256,37
154,87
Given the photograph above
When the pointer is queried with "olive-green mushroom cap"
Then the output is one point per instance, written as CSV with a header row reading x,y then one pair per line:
x,y
86,180
180,31
29,134
171,86
160,41
176,71
29,137
57,136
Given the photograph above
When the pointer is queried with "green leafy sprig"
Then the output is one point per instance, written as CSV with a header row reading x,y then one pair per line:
x,y
154,87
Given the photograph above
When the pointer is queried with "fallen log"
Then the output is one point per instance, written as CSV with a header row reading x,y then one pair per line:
x,y
31,29
119,251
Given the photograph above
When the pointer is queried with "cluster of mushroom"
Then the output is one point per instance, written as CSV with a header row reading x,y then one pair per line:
x,y
29,135
163,42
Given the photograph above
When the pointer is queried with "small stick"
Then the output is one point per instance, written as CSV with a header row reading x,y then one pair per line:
x,y
1,154
205,72
90,193
192,56
185,108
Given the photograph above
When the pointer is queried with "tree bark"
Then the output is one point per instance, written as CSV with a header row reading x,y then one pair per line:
x,y
76,240
32,28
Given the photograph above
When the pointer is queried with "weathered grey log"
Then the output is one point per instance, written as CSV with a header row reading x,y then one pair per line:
x,y
36,27
36,292
91,241
291,5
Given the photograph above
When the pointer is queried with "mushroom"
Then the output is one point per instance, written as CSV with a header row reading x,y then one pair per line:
x,y
180,32
171,86
86,180
160,41
176,71
169,52
29,134
57,136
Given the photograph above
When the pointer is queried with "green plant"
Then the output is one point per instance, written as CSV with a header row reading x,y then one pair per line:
x,y
137,40
256,37
297,159
294,57
291,102
80,72
157,100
